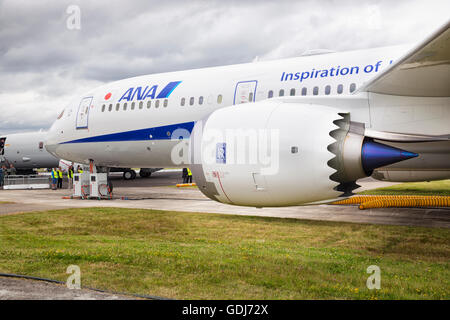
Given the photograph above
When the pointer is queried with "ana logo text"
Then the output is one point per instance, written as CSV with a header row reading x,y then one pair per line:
x,y
149,92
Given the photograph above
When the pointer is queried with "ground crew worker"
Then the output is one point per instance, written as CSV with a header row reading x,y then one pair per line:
x,y
1,177
184,175
70,177
5,173
54,178
12,170
189,177
79,169
60,177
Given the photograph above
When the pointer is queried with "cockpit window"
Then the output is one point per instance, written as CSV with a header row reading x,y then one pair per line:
x,y
61,114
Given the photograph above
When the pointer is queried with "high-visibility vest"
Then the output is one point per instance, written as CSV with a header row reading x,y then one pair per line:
x,y
60,175
54,174
80,171
70,174
189,172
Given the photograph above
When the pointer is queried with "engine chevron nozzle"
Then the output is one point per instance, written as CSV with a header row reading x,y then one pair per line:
x,y
375,155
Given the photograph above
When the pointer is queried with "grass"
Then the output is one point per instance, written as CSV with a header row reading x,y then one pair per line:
x,y
6,202
212,256
432,188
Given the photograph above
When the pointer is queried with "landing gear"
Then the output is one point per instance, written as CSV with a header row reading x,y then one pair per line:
x,y
129,174
145,173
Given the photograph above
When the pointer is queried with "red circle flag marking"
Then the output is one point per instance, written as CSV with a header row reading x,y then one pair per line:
x,y
108,95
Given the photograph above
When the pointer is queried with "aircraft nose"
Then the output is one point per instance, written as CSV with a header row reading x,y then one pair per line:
x,y
51,148
51,143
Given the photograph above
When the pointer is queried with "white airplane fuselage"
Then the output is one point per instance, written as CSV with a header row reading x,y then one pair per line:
x,y
26,151
98,126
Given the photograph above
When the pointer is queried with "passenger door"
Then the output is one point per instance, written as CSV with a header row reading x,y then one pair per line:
x,y
83,113
245,92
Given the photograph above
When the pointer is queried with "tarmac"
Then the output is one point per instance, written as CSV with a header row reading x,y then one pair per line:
x,y
159,192
20,289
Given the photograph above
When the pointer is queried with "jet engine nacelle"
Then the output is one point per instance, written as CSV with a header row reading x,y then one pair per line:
x,y
274,153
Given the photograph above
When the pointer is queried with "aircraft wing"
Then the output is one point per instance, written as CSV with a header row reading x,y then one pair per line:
x,y
424,71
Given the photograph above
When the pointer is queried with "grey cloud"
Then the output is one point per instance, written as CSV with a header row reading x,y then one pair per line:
x,y
43,64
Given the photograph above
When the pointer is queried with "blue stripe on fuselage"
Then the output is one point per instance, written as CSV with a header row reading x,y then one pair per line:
x,y
156,133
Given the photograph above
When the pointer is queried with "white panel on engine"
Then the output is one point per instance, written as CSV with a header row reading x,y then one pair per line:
x,y
268,153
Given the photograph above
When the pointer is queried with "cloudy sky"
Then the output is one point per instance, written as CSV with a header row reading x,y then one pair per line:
x,y
46,57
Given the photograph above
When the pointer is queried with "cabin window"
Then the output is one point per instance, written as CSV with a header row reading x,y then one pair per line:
x,y
292,92
103,108
270,94
340,88
132,105
191,101
149,104
219,99
352,87
250,97
183,101
141,105
110,107
117,107
281,93
327,89
124,106
157,104
166,103
200,100
304,91
315,91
